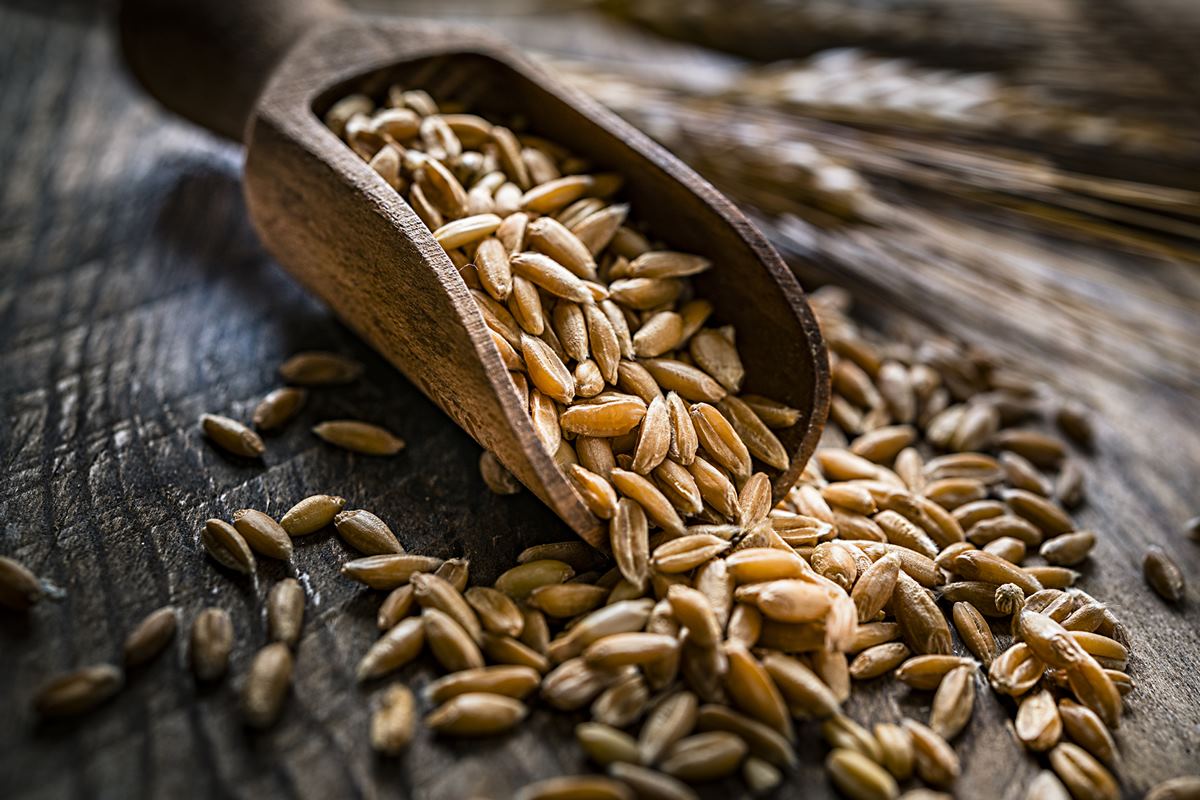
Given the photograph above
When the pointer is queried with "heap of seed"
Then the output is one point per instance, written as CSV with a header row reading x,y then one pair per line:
x,y
935,510
709,636
628,387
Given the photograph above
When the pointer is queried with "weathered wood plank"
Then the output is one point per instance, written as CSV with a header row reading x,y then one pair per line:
x,y
133,296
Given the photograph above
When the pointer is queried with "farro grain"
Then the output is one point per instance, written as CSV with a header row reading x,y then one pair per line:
x,y
936,761
1083,775
497,316
1038,724
953,702
318,368
78,691
232,436
397,647
752,689
1010,549
684,441
841,731
576,787
211,643
605,419
1186,787
1046,786
266,685
896,747
1087,730
596,230
476,714
1040,448
806,693
858,777
549,275
878,660
975,632
278,407
547,371
704,756
20,589
921,621
988,530
911,468
433,592
643,294
717,355
882,445
393,721
311,514
498,479
359,437
927,671
366,533
570,326
1163,574
679,487
605,744
263,534
654,437
1068,549
519,581
449,642
1100,646
871,634
657,507
285,611
553,238
466,230
761,564
659,334
508,680
150,636
977,565
508,650
977,511
713,580
1094,688
669,721
1042,512
1015,671
623,702
390,570
1048,640
833,668
715,487
497,613
565,600
226,546
900,531
574,683
759,775
454,571
689,382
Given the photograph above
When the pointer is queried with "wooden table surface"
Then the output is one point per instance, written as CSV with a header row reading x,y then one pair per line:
x,y
134,296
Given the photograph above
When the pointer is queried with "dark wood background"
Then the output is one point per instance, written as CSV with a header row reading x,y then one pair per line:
x,y
134,296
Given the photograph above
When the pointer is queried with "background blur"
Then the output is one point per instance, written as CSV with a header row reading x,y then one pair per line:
x,y
1021,174
1014,166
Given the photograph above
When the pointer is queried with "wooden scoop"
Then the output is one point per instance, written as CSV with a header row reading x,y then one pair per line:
x,y
265,71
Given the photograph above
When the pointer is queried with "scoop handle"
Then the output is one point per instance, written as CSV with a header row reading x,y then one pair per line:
x,y
208,60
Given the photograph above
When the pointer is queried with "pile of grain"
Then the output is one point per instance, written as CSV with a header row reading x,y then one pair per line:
x,y
937,504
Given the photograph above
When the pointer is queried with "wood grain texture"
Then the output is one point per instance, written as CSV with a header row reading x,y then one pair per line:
x,y
134,295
